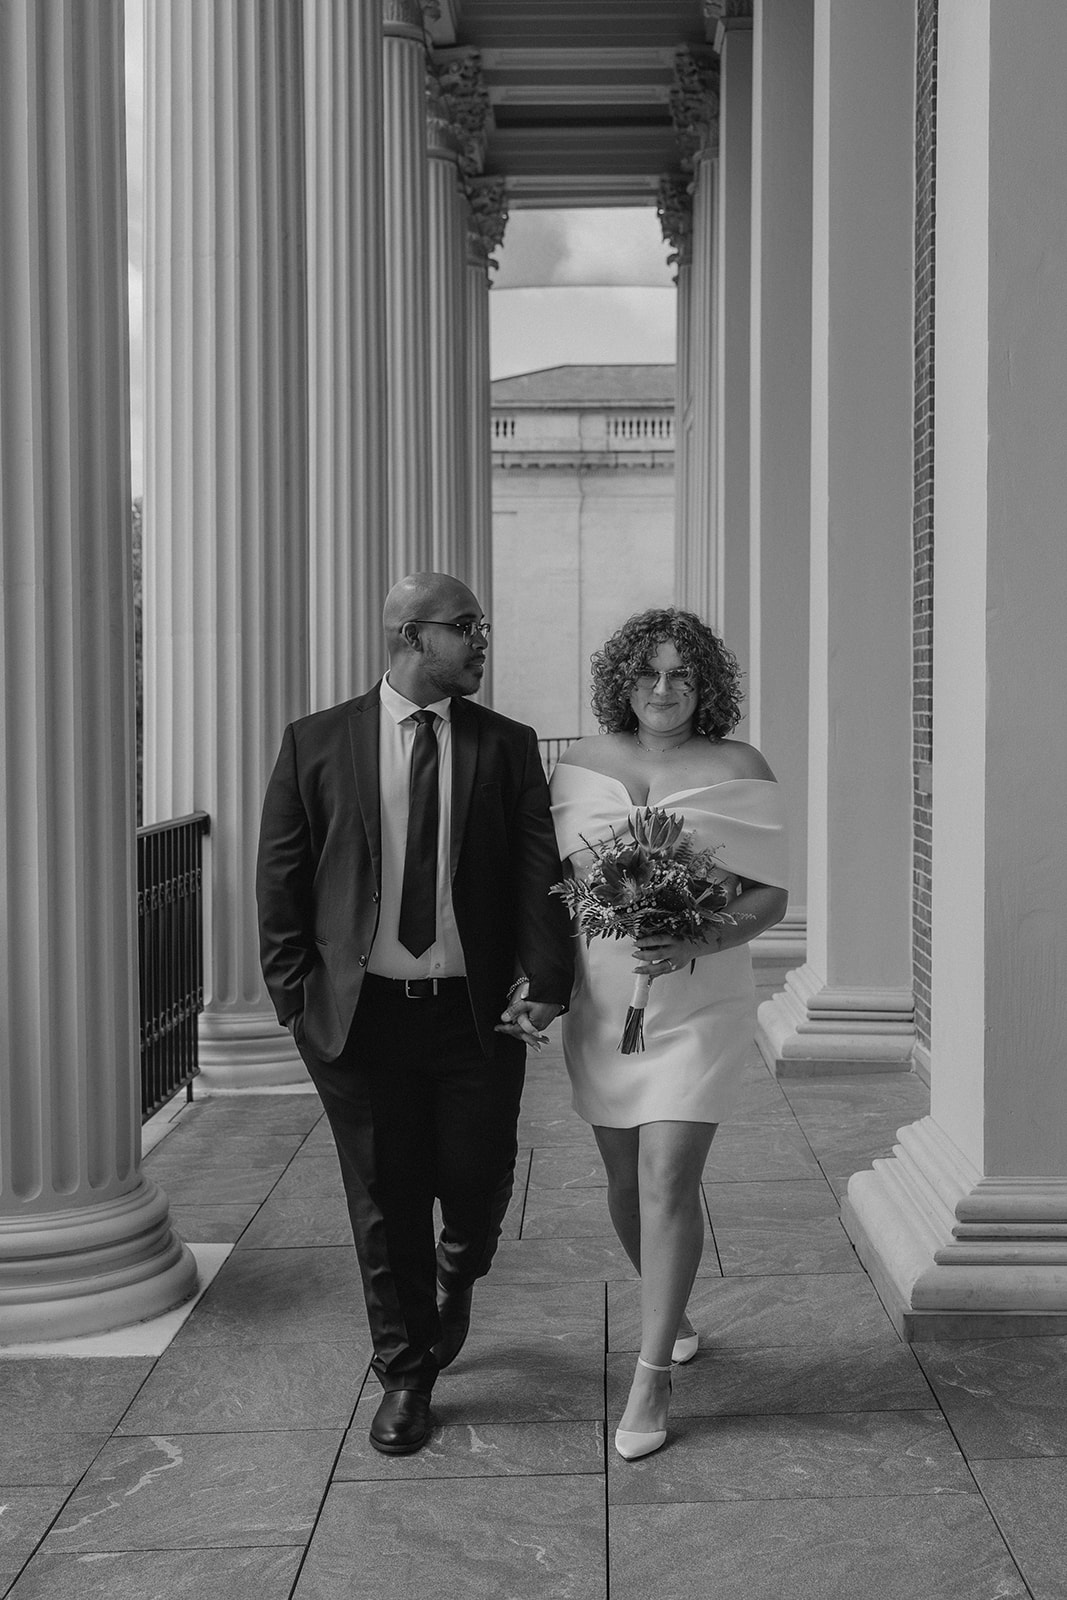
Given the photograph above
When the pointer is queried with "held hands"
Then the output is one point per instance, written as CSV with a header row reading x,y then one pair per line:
x,y
524,1019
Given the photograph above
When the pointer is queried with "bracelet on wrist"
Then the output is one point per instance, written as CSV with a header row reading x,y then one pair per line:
x,y
519,981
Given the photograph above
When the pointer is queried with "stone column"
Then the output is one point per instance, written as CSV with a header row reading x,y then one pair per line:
x,y
675,208
780,437
731,339
486,221
463,205
85,1239
965,1228
683,401
408,375
694,102
225,510
850,1007
478,560
346,348
701,459
447,251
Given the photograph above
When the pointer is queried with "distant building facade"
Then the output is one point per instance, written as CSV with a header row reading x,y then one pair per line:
x,y
583,527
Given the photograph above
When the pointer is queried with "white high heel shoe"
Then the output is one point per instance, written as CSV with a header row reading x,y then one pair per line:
x,y
685,1348
632,1445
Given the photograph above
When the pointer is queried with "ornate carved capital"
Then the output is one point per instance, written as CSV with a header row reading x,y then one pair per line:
x,y
463,98
728,15
487,217
728,10
694,102
441,136
674,205
407,19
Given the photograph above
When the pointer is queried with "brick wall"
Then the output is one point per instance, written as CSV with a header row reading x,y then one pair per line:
x,y
923,508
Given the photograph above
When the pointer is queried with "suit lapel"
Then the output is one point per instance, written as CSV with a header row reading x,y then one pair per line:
x,y
363,732
464,764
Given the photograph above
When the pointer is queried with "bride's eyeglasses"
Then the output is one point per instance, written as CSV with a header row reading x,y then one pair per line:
x,y
677,678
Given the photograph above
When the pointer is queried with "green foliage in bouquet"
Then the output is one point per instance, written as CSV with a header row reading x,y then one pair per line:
x,y
649,880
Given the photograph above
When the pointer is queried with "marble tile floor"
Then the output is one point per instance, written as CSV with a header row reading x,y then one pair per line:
x,y
812,1454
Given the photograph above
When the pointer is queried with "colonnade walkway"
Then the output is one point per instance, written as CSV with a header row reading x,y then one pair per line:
x,y
812,1454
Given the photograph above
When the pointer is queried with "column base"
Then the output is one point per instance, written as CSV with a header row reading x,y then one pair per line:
x,y
954,1255
68,1273
811,1030
247,1050
777,951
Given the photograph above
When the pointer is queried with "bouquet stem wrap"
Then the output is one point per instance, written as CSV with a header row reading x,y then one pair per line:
x,y
633,1033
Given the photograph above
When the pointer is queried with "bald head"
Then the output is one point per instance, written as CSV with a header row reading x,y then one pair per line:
x,y
429,657
424,594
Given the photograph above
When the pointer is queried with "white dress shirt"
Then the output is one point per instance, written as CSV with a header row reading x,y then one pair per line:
x,y
396,739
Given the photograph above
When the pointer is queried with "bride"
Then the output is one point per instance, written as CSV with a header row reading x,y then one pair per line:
x,y
666,692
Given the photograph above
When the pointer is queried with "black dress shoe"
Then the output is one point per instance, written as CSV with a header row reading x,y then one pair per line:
x,y
401,1423
454,1307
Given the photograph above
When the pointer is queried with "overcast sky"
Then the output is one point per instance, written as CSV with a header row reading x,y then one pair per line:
x,y
581,286
572,285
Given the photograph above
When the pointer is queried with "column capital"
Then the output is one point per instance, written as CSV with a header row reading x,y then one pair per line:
x,y
728,16
407,19
674,207
728,10
694,103
442,138
487,217
461,96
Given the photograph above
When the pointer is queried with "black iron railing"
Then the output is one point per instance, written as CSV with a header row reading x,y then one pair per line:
x,y
552,749
170,943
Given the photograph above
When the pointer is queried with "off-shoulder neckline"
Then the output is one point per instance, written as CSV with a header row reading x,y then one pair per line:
x,y
677,794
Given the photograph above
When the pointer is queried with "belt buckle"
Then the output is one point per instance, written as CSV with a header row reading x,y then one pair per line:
x,y
408,991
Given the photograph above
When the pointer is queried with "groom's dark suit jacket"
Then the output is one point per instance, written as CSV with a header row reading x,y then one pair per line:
x,y
319,873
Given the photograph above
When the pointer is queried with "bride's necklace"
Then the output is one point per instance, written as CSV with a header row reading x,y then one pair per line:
x,y
667,749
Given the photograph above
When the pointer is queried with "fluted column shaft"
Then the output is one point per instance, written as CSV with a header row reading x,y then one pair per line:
x,y
346,346
780,435
225,514
447,246
479,444
965,1228
407,289
700,493
850,1007
85,1239
731,336
683,400
486,222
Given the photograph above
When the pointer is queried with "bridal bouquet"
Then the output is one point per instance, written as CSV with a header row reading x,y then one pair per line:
x,y
651,879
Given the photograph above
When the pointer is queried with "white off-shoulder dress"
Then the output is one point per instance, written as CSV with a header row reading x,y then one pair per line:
x,y
698,1025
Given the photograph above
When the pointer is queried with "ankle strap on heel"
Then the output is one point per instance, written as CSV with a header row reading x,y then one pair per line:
x,y
641,1362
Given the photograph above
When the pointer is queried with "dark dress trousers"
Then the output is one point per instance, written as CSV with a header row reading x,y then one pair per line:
x,y
422,1094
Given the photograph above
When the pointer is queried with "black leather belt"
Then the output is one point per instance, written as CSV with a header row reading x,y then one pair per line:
x,y
416,988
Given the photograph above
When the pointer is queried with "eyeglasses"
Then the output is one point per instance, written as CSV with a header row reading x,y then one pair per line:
x,y
466,630
677,678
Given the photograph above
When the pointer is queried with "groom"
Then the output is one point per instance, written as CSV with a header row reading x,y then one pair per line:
x,y
410,944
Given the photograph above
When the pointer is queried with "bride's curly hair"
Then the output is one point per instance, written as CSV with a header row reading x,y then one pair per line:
x,y
619,660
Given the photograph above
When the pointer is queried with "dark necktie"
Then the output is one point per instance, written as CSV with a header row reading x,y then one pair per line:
x,y
418,899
